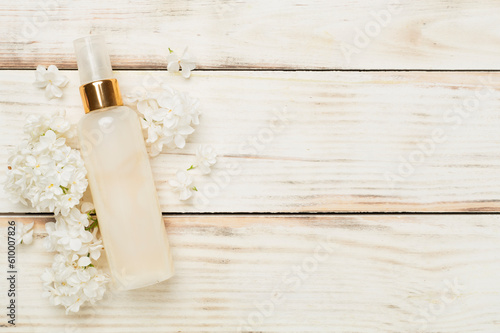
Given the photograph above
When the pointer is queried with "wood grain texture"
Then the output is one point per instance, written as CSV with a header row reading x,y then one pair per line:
x,y
314,141
291,142
365,273
398,34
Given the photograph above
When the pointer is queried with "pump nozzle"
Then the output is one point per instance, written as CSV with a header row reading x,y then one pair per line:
x,y
92,59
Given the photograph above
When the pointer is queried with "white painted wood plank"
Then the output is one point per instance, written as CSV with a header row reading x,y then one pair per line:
x,y
349,141
365,273
382,34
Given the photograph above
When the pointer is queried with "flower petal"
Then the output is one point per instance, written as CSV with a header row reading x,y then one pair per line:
x,y
48,91
52,69
60,80
56,91
173,66
186,130
75,244
186,73
179,140
84,261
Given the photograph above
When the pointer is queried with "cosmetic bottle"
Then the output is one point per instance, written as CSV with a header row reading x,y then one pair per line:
x,y
119,175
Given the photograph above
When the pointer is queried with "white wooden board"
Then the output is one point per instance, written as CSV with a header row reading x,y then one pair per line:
x,y
261,273
314,141
340,34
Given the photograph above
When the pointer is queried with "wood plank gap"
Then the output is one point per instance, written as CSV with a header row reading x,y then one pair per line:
x,y
229,69
48,215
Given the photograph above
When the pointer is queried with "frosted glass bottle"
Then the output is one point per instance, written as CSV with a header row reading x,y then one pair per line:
x,y
120,177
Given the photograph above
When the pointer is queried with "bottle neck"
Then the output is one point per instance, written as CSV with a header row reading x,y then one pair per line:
x,y
100,94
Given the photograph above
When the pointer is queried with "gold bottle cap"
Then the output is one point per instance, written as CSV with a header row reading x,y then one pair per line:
x,y
100,94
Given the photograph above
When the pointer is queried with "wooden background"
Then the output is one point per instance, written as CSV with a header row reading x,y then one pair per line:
x,y
378,193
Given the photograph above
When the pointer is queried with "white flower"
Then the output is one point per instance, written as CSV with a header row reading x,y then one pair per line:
x,y
43,171
75,217
73,280
73,234
49,142
24,233
47,173
205,158
50,79
191,108
63,238
69,284
37,125
168,118
93,249
68,234
177,135
182,184
174,112
152,118
185,62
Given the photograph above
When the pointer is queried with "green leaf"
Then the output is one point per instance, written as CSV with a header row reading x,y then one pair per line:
x,y
93,218
170,50
91,226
